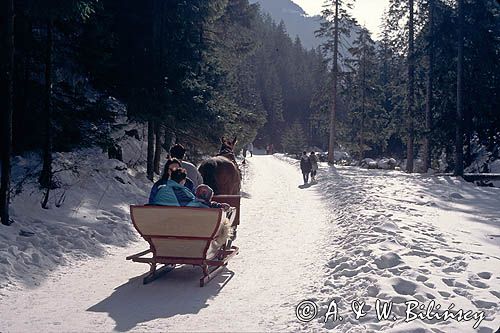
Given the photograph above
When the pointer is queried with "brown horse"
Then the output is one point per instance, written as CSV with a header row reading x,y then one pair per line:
x,y
221,172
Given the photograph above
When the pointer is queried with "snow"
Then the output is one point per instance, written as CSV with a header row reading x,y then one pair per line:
x,y
87,212
357,235
495,166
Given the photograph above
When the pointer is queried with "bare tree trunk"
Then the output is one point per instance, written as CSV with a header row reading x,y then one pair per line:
x,y
158,147
429,93
459,144
411,78
468,139
46,176
331,141
151,150
167,138
363,101
6,79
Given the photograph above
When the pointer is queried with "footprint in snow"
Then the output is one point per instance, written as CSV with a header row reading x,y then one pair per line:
x,y
495,293
404,287
484,275
463,293
455,195
422,278
484,304
478,284
449,282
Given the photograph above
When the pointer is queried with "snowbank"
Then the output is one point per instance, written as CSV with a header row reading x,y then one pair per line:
x,y
88,211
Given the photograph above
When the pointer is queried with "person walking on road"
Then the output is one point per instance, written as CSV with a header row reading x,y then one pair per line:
x,y
305,167
313,158
250,149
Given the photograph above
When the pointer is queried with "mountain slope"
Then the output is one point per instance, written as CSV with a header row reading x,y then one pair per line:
x,y
296,20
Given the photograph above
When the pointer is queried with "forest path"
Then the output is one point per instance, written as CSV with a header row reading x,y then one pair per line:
x,y
282,255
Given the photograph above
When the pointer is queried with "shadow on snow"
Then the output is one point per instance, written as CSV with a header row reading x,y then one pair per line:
x,y
176,293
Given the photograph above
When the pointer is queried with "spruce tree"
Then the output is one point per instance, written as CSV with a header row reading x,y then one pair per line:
x,y
335,21
51,11
6,103
459,145
427,148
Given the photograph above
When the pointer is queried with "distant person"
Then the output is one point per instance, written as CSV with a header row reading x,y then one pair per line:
x,y
250,149
173,192
178,151
305,167
171,165
313,158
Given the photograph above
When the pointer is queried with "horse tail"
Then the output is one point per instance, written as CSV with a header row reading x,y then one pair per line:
x,y
207,171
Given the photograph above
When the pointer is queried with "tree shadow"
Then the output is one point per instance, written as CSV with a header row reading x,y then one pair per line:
x,y
176,293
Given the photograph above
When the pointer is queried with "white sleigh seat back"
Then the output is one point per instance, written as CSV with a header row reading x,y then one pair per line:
x,y
175,231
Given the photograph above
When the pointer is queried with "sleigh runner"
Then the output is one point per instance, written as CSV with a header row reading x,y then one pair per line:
x,y
185,236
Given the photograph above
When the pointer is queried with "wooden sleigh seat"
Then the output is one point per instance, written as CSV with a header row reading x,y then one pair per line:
x,y
184,235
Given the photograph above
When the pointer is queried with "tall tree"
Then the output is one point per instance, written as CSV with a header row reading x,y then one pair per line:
x,y
335,69
158,147
429,88
411,90
46,174
51,11
150,150
459,143
6,102
402,23
336,12
364,103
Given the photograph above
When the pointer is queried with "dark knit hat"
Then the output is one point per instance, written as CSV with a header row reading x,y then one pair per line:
x,y
178,151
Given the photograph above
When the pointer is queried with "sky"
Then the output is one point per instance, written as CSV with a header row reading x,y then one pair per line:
x,y
367,12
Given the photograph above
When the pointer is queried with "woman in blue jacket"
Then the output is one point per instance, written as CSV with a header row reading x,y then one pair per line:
x,y
171,165
174,193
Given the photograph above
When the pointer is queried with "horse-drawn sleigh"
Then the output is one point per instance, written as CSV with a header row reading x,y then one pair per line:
x,y
192,236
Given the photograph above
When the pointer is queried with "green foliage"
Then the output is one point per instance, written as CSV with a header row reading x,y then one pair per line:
x,y
287,78
294,140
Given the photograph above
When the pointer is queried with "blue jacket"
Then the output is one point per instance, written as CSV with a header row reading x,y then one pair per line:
x,y
174,194
189,184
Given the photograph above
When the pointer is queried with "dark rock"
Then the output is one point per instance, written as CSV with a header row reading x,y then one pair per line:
x,y
115,152
120,180
133,133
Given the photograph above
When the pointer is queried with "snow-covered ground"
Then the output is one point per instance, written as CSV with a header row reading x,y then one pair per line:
x,y
400,237
357,235
87,212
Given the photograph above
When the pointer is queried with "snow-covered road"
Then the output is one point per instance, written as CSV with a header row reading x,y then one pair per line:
x,y
356,235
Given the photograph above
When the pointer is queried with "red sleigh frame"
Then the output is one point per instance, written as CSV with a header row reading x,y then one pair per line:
x,y
183,236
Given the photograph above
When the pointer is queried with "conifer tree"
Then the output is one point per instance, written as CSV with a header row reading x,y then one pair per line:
x,y
294,140
6,103
459,145
429,87
51,11
335,21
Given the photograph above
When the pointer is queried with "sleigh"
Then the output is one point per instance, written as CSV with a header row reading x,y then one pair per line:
x,y
184,236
